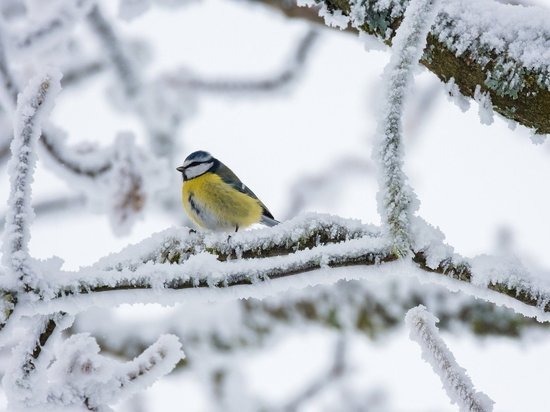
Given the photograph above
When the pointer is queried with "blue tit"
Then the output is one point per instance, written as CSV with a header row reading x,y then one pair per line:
x,y
215,198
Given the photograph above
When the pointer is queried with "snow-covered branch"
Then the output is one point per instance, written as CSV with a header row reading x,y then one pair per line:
x,y
46,33
28,366
396,200
80,376
313,246
290,72
124,68
334,373
8,83
499,47
33,104
370,308
456,382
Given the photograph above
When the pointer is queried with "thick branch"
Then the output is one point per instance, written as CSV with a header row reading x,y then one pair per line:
x,y
459,48
179,260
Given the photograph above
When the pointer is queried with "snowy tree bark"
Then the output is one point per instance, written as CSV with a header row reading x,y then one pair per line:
x,y
518,89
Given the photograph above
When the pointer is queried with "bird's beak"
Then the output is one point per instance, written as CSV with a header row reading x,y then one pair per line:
x,y
180,169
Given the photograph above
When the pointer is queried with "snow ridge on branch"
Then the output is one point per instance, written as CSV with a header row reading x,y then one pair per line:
x,y
456,382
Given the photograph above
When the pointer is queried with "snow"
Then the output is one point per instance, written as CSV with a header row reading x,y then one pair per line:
x,y
33,105
49,26
396,201
485,106
480,28
455,96
456,382
334,18
82,374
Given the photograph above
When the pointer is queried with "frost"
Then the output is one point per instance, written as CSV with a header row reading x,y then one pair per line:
x,y
396,201
482,27
371,43
334,18
456,382
81,375
454,95
33,104
537,139
429,240
485,109
50,27
127,194
357,14
164,108
306,3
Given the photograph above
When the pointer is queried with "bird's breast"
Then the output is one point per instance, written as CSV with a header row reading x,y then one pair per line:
x,y
216,205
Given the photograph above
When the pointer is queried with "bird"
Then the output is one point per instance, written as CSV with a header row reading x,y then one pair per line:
x,y
216,199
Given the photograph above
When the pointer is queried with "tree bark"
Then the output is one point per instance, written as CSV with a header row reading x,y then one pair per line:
x,y
526,101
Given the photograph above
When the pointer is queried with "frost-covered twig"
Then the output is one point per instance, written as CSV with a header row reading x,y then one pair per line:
x,y
46,33
396,198
75,374
33,105
289,73
310,188
76,74
92,164
178,260
124,68
372,309
128,194
330,378
89,165
500,47
456,382
22,380
8,83
83,377
54,205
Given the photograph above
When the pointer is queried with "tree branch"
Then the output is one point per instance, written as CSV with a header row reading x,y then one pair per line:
x,y
461,48
35,101
396,201
456,382
178,260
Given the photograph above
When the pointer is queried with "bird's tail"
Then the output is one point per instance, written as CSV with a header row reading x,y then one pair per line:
x,y
269,221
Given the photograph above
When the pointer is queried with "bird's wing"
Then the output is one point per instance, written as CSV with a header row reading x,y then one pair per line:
x,y
231,178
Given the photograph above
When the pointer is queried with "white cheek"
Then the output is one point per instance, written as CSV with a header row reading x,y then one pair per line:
x,y
197,170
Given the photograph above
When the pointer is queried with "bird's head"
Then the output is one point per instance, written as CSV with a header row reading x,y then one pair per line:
x,y
196,164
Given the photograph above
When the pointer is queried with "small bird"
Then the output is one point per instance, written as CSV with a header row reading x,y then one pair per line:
x,y
215,198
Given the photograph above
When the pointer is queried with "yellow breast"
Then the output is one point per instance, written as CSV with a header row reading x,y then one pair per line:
x,y
215,205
